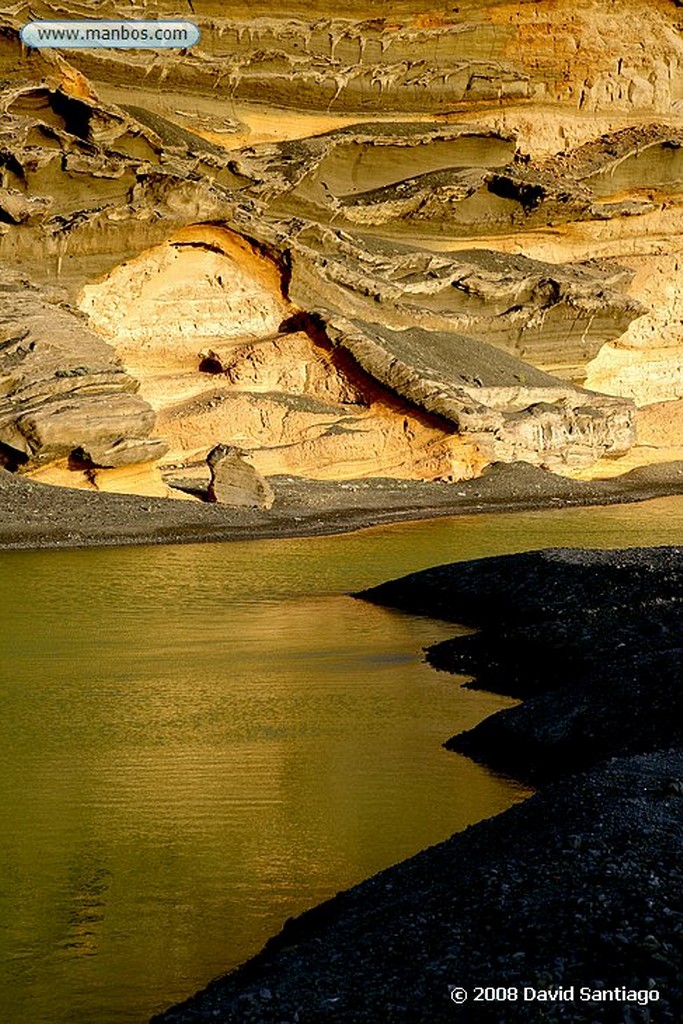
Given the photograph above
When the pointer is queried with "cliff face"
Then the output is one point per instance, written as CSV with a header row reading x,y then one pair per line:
x,y
404,245
399,57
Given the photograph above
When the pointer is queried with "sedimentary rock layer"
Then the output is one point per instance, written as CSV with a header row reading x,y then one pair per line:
x,y
404,59
463,220
553,317
63,391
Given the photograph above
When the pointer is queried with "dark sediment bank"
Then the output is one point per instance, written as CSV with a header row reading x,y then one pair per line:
x,y
34,515
578,886
633,705
593,639
536,586
579,889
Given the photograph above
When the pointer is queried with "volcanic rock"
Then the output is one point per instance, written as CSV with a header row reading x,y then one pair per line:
x,y
578,886
522,589
591,639
482,206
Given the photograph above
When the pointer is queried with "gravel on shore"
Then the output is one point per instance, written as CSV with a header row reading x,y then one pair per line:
x,y
34,515
579,886
566,908
591,640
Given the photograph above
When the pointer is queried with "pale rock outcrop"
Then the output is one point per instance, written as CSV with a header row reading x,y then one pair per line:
x,y
204,289
306,436
234,481
143,478
62,387
646,362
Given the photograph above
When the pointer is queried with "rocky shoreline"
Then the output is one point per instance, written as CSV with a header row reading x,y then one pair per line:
x,y
565,908
590,641
35,515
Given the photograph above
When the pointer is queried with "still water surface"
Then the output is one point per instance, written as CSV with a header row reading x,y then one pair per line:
x,y
197,742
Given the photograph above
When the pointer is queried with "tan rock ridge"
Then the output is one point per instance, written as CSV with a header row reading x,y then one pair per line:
x,y
407,59
556,317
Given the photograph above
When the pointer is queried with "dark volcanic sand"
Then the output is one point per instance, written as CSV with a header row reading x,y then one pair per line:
x,y
593,639
580,885
579,888
33,515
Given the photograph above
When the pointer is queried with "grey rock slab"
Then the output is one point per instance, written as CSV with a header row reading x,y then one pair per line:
x,y
234,481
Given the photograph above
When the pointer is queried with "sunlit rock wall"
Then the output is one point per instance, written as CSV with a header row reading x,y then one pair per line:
x,y
405,243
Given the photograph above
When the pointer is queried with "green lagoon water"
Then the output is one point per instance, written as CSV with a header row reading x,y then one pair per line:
x,y
198,742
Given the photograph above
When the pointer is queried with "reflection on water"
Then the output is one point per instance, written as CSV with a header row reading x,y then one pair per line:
x,y
200,741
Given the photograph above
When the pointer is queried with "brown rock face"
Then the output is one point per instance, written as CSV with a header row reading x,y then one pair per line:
x,y
403,59
234,481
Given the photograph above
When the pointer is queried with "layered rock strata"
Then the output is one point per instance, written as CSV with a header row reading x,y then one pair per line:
x,y
235,283
63,393
553,317
405,59
508,409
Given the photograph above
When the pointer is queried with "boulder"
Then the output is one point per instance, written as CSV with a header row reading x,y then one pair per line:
x,y
234,481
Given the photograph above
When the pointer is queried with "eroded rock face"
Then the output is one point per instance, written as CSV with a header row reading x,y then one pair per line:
x,y
405,59
507,408
62,388
411,298
205,290
554,317
86,183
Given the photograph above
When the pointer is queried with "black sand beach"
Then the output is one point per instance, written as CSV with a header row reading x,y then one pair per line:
x,y
34,515
565,908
